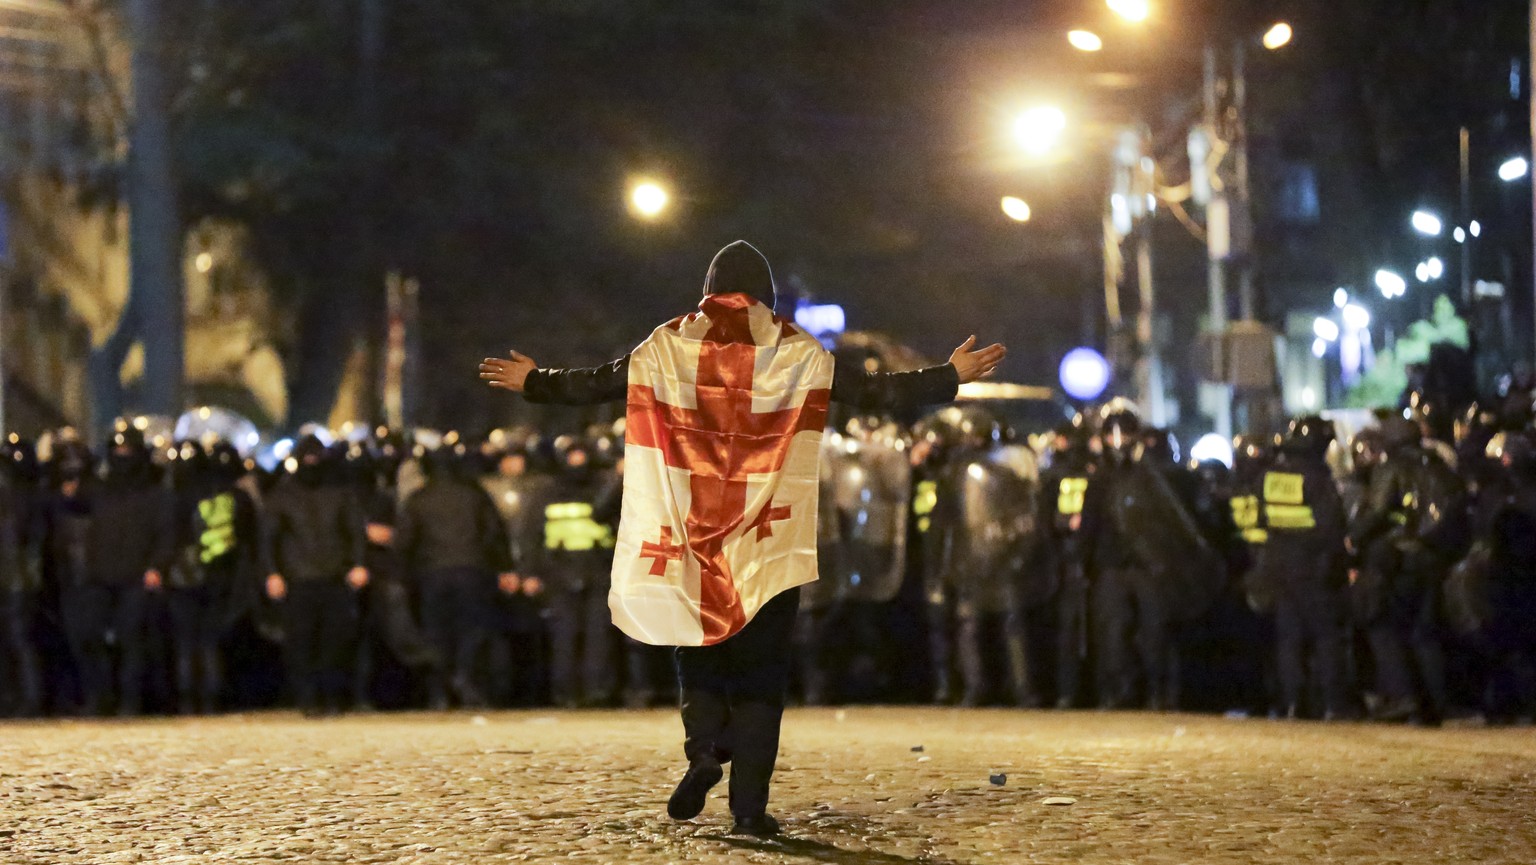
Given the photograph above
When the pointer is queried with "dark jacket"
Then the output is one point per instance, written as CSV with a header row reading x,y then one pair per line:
x,y
131,531
220,532
852,385
451,524
312,532
576,550
1304,521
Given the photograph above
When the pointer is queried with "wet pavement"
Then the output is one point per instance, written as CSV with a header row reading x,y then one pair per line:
x,y
852,788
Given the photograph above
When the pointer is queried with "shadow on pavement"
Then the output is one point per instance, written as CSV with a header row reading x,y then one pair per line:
x,y
819,851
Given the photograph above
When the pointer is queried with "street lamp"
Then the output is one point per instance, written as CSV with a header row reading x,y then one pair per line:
x,y
1356,317
1425,222
647,199
1038,129
1514,169
1085,40
1135,11
1278,36
1015,208
1391,284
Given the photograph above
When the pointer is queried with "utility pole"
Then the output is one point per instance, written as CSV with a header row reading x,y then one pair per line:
x,y
154,229
1465,220
1218,227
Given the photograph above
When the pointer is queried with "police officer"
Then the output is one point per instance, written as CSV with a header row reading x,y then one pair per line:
x,y
1506,530
452,541
1407,532
1063,491
576,561
20,574
517,657
1303,517
1149,566
314,554
122,531
217,544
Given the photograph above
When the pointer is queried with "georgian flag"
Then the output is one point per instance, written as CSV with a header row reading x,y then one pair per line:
x,y
725,412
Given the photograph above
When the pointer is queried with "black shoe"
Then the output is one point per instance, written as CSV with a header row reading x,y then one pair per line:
x,y
688,799
763,826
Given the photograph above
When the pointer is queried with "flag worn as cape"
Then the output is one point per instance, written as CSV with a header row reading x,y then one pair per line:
x,y
725,412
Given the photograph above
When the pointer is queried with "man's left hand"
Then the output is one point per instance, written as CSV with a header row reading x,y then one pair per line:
x,y
507,373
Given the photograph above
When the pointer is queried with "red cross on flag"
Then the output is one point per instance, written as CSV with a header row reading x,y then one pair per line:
x,y
726,408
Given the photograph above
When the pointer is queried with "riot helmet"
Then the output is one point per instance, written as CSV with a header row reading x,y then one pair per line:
x,y
128,456
1120,427
1366,451
1308,435
1251,455
19,459
225,463
190,468
1159,446
1398,432
308,460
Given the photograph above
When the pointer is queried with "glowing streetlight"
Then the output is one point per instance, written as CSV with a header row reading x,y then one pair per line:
x,y
1476,228
1459,235
1356,317
1085,40
1325,329
1436,267
648,199
1425,222
204,262
1038,129
1340,297
1391,284
1134,11
1015,208
1514,169
1278,36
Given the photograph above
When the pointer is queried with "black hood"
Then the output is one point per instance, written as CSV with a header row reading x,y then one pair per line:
x,y
740,269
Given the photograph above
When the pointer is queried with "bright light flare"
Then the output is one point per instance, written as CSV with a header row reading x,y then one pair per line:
x,y
1391,284
1340,297
648,199
1514,169
1425,222
1038,129
1135,11
1326,329
1212,446
1278,36
1356,317
204,262
1436,268
1319,348
1015,208
1476,228
1085,40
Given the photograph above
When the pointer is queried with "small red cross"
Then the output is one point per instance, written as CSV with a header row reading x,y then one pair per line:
x,y
765,520
662,552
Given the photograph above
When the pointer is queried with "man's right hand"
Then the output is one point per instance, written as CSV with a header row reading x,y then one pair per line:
x,y
978,363
277,589
507,374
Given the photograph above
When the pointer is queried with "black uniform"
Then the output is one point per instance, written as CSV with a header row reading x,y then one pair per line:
x,y
517,663
208,585
1063,492
1303,518
1506,529
452,541
576,560
105,539
314,536
733,692
1410,529
19,583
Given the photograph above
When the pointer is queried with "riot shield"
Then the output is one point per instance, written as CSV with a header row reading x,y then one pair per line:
x,y
866,489
990,528
1179,561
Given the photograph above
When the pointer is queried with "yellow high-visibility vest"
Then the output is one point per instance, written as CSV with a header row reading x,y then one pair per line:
x,y
569,526
1285,504
924,498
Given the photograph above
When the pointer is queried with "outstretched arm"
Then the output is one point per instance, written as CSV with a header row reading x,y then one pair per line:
x,y
518,373
876,391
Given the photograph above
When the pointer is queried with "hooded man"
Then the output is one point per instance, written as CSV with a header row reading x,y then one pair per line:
x,y
725,412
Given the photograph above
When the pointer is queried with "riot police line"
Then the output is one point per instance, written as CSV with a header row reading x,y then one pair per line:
x,y
1390,576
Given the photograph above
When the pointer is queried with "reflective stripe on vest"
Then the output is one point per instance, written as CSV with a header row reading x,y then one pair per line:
x,y
218,536
1285,504
569,526
1245,515
923,501
1069,496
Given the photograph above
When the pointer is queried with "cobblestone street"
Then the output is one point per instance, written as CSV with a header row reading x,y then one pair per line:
x,y
851,788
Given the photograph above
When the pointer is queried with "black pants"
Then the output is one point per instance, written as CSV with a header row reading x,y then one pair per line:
x,y
1126,602
18,653
1071,632
320,623
1406,642
197,619
99,618
1309,640
584,646
455,609
733,700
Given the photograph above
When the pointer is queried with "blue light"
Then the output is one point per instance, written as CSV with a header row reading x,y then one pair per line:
x,y
820,319
1084,374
